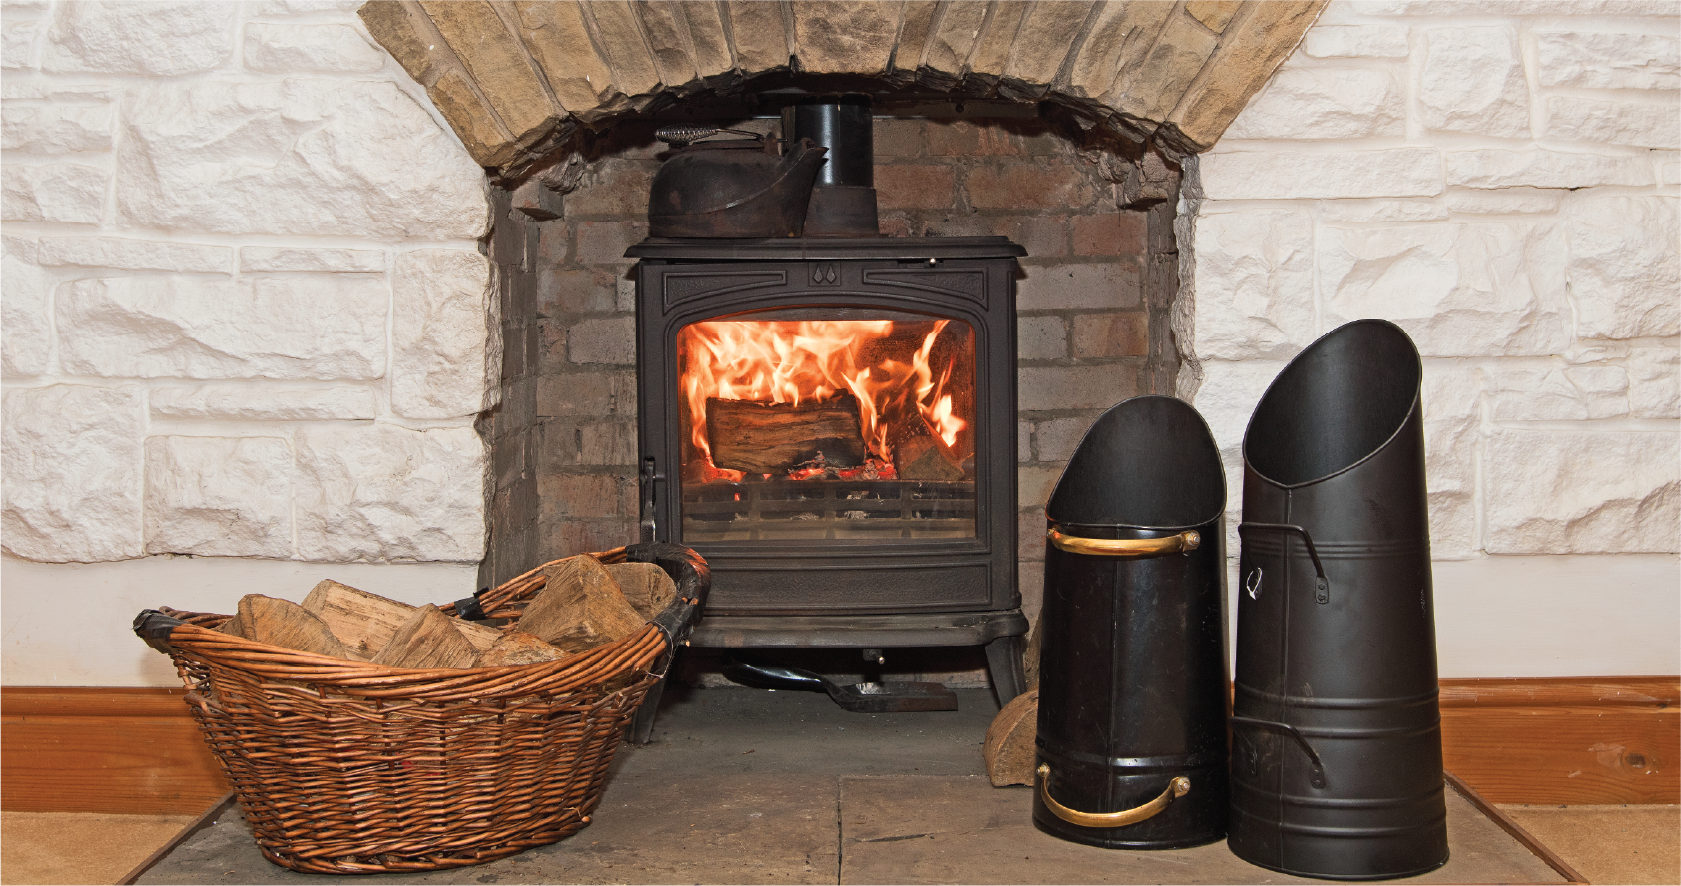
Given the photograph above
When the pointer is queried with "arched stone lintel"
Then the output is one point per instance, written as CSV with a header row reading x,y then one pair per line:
x,y
517,79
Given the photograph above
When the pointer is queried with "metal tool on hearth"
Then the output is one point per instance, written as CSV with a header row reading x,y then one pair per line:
x,y
1336,734
1132,686
868,697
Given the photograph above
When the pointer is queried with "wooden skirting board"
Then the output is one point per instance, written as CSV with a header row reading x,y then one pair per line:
x,y
123,750
1575,741
1586,740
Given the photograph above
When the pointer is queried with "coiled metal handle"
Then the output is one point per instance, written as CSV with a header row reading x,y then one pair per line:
x,y
1178,787
1184,542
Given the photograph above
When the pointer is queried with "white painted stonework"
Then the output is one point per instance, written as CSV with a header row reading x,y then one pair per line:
x,y
1499,179
245,310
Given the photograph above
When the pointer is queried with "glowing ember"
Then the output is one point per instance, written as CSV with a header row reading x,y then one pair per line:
x,y
887,365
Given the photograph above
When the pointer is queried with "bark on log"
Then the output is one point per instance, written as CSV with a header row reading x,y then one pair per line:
x,y
234,627
580,607
517,648
1009,741
427,640
770,438
363,622
1030,658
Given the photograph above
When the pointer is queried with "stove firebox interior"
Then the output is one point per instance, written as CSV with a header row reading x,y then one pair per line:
x,y
831,423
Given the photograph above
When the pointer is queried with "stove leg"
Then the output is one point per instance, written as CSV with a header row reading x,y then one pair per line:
x,y
642,725
1003,664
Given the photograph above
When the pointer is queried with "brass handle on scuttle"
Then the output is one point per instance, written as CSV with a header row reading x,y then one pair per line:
x,y
1182,543
1178,787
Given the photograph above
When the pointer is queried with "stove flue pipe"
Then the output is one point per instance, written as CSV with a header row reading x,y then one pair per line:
x,y
843,204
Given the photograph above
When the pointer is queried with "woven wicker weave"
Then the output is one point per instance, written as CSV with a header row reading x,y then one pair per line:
x,y
346,767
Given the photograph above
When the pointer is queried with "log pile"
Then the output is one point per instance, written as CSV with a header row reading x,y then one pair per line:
x,y
583,605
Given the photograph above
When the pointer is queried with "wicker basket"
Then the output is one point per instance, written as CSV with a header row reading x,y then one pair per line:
x,y
345,767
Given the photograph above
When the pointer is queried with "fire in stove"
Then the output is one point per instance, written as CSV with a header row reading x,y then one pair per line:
x,y
841,429
827,400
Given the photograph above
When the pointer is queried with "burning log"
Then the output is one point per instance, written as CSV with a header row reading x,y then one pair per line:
x,y
771,438
921,455
926,458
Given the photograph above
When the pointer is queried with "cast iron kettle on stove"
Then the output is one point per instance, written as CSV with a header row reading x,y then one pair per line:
x,y
740,188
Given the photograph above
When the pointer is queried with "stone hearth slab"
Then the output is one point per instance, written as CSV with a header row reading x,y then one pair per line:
x,y
899,829
651,828
744,786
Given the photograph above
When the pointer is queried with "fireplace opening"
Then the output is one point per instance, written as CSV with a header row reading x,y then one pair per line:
x,y
1097,282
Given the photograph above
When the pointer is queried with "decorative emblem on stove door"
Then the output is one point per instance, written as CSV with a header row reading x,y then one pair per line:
x,y
825,273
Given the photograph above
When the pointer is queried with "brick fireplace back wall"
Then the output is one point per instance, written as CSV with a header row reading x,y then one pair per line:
x,y
1093,304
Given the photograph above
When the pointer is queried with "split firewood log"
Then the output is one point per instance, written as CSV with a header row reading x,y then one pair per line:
x,y
770,438
1009,741
429,639
1030,658
480,637
363,622
284,623
926,458
645,585
234,627
517,648
580,607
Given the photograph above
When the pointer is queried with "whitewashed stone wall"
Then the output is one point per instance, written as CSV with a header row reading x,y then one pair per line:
x,y
1499,179
245,313
245,316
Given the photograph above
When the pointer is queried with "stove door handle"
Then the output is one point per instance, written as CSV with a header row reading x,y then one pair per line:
x,y
1183,543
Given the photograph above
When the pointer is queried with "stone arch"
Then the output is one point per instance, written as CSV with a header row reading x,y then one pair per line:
x,y
518,79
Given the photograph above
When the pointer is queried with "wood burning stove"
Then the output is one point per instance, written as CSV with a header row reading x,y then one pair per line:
x,y
830,422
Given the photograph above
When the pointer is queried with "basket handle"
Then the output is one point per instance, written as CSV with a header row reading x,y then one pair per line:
x,y
154,627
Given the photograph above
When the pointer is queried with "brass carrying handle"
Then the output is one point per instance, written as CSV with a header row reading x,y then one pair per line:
x,y
1182,543
1178,787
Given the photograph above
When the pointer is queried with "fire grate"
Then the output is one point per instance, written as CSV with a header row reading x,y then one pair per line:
x,y
829,509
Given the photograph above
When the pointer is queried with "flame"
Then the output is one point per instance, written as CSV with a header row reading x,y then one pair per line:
x,y
931,401
790,362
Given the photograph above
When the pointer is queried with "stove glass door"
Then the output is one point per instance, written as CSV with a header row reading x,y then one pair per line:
x,y
837,425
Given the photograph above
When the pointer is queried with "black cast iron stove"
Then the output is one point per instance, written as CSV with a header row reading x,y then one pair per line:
x,y
829,419
830,422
